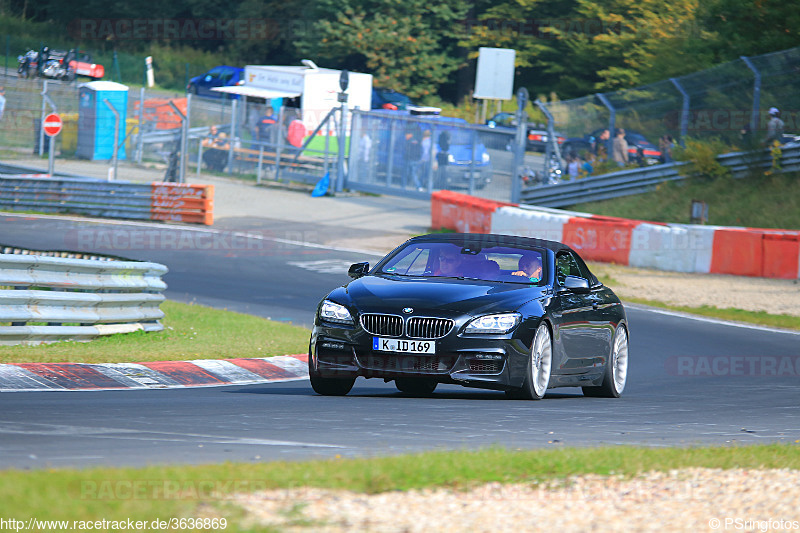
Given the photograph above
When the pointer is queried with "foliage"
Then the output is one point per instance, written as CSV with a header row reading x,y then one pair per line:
x,y
702,158
408,46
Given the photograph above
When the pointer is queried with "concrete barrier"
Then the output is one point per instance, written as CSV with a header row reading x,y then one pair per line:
x,y
675,247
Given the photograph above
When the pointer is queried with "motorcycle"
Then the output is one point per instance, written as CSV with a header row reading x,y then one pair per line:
x,y
57,65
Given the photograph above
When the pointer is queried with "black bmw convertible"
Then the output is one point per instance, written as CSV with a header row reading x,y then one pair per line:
x,y
488,311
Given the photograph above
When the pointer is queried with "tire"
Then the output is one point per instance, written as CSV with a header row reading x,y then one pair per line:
x,y
615,374
328,386
540,364
416,386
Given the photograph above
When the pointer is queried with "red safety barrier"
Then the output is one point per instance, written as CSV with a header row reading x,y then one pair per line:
x,y
781,255
738,252
605,239
462,213
159,111
182,202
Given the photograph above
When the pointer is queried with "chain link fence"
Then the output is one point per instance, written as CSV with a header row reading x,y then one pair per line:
x,y
727,102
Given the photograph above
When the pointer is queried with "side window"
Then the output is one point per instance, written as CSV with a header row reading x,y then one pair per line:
x,y
566,265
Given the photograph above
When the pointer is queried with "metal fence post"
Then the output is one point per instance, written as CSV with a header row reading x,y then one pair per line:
x,y
185,138
184,131
140,143
114,158
684,108
519,143
234,108
756,93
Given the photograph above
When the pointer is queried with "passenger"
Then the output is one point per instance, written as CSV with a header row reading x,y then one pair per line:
x,y
530,266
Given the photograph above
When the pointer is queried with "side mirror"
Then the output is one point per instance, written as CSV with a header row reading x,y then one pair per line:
x,y
357,270
576,284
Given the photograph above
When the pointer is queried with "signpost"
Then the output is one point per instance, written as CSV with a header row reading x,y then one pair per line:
x,y
52,126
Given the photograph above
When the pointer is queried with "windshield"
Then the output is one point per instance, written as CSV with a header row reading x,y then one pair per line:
x,y
441,259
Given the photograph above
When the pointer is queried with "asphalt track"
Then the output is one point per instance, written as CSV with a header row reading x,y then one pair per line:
x,y
691,381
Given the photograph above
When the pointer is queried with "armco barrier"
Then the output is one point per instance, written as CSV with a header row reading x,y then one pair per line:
x,y
55,298
110,199
462,213
675,247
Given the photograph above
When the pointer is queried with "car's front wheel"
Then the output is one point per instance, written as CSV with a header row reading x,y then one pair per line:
x,y
616,372
537,378
328,386
416,386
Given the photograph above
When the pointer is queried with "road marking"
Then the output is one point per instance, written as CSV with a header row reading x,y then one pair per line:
x,y
678,314
155,225
325,266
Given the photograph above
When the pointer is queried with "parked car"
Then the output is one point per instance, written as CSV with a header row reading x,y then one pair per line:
x,y
536,140
497,312
221,76
461,157
383,98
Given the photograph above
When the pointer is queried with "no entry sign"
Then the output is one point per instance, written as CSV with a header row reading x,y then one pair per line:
x,y
52,125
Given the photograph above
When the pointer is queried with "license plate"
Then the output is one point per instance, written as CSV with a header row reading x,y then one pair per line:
x,y
402,345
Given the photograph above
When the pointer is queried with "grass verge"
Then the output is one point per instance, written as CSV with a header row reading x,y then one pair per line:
x,y
191,491
758,202
190,332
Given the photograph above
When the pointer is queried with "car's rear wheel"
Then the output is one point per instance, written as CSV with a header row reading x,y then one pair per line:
x,y
537,378
416,386
328,386
616,372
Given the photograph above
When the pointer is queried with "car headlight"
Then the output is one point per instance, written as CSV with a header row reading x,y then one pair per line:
x,y
333,312
485,157
495,324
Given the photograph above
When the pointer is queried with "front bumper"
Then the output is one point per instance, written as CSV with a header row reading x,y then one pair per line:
x,y
484,361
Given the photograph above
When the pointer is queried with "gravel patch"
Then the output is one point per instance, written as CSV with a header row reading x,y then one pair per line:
x,y
686,500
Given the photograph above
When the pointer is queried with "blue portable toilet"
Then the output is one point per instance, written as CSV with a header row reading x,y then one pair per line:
x,y
96,120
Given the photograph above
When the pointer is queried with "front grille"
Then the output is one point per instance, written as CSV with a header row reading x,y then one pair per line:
x,y
428,328
389,325
408,363
490,367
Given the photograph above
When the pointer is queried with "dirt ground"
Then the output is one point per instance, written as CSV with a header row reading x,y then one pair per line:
x,y
775,296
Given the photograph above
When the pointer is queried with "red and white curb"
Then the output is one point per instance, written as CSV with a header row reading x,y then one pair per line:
x,y
28,377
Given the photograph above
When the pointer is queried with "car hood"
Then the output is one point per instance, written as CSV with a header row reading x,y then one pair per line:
x,y
390,294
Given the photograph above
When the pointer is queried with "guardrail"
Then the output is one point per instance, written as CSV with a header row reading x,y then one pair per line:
x,y
46,299
111,199
639,180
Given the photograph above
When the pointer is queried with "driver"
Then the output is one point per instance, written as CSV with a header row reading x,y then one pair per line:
x,y
450,262
530,266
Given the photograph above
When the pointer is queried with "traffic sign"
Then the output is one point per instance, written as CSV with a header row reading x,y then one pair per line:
x,y
52,125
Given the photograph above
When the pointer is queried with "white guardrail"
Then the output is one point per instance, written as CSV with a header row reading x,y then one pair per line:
x,y
47,299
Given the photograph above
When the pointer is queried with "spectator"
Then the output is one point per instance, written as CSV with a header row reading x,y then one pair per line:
x,y
588,166
425,159
442,156
365,147
216,155
774,127
413,153
665,144
295,129
266,126
2,101
600,145
620,148
573,167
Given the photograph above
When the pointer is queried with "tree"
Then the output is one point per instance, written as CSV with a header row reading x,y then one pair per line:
x,y
409,46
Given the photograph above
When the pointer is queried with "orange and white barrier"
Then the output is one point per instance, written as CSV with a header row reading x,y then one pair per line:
x,y
675,247
182,202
